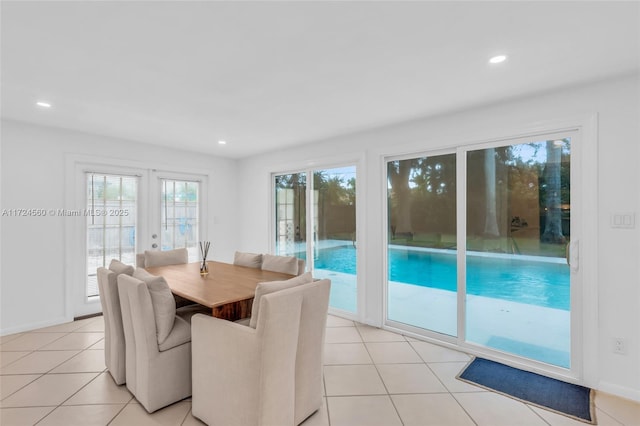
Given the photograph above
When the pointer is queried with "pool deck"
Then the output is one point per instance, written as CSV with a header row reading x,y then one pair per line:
x,y
528,330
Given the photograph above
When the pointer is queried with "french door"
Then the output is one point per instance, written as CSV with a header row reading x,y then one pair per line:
x,y
482,247
111,214
178,216
124,211
315,220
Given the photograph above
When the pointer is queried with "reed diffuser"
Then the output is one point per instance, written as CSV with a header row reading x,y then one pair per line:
x,y
204,251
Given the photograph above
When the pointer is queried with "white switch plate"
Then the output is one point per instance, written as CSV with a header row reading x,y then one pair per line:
x,y
623,220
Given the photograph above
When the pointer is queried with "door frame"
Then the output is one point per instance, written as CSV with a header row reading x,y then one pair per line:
x,y
584,300
424,333
155,202
75,231
328,163
574,372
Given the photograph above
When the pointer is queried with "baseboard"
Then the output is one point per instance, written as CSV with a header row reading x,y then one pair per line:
x,y
97,314
621,391
34,326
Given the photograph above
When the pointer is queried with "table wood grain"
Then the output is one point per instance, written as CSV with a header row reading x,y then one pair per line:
x,y
227,289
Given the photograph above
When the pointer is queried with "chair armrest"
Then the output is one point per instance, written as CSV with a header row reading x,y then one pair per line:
x,y
208,327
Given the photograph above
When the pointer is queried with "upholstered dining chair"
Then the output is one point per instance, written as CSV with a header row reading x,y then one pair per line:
x,y
245,376
308,362
158,343
151,258
284,264
114,342
250,260
310,352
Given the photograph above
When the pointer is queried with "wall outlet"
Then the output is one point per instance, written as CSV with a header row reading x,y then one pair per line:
x,y
619,345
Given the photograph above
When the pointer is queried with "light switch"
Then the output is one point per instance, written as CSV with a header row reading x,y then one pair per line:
x,y
623,220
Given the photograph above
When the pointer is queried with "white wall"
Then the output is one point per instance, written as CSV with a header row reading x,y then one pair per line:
x,y
613,308
33,175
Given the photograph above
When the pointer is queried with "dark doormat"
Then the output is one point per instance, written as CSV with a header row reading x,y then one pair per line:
x,y
554,395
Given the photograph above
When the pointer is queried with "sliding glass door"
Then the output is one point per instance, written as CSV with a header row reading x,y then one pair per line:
x,y
334,234
315,220
421,249
518,229
479,243
291,215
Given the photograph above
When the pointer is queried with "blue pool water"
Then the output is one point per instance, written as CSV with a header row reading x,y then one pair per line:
x,y
525,281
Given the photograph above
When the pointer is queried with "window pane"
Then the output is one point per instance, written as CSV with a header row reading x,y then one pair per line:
x,y
334,230
111,214
518,280
422,243
291,221
180,216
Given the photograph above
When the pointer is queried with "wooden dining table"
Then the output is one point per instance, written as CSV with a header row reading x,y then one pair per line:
x,y
227,289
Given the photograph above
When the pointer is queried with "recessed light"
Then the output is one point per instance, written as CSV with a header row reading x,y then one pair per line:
x,y
43,104
222,142
498,59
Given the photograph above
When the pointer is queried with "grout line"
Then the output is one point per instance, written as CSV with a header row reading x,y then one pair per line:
x,y
462,408
325,396
70,396
536,413
119,412
25,385
381,379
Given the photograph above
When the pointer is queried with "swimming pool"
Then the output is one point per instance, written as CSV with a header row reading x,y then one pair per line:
x,y
537,282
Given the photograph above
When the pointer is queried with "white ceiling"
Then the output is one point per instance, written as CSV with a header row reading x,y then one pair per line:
x,y
266,75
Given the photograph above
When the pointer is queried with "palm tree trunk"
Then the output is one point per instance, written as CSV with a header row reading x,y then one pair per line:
x,y
553,221
491,217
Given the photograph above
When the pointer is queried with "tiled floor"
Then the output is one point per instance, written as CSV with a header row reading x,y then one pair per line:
x,y
56,376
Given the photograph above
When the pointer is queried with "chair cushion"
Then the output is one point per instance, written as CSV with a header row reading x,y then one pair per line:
x,y
143,275
120,268
284,264
179,335
272,286
168,257
164,305
250,260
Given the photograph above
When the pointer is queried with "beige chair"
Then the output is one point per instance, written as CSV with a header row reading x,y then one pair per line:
x,y
284,264
250,260
244,376
313,319
158,352
114,342
301,266
310,353
235,370
151,258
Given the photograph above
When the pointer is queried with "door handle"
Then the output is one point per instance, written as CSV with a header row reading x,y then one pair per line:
x,y
154,245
